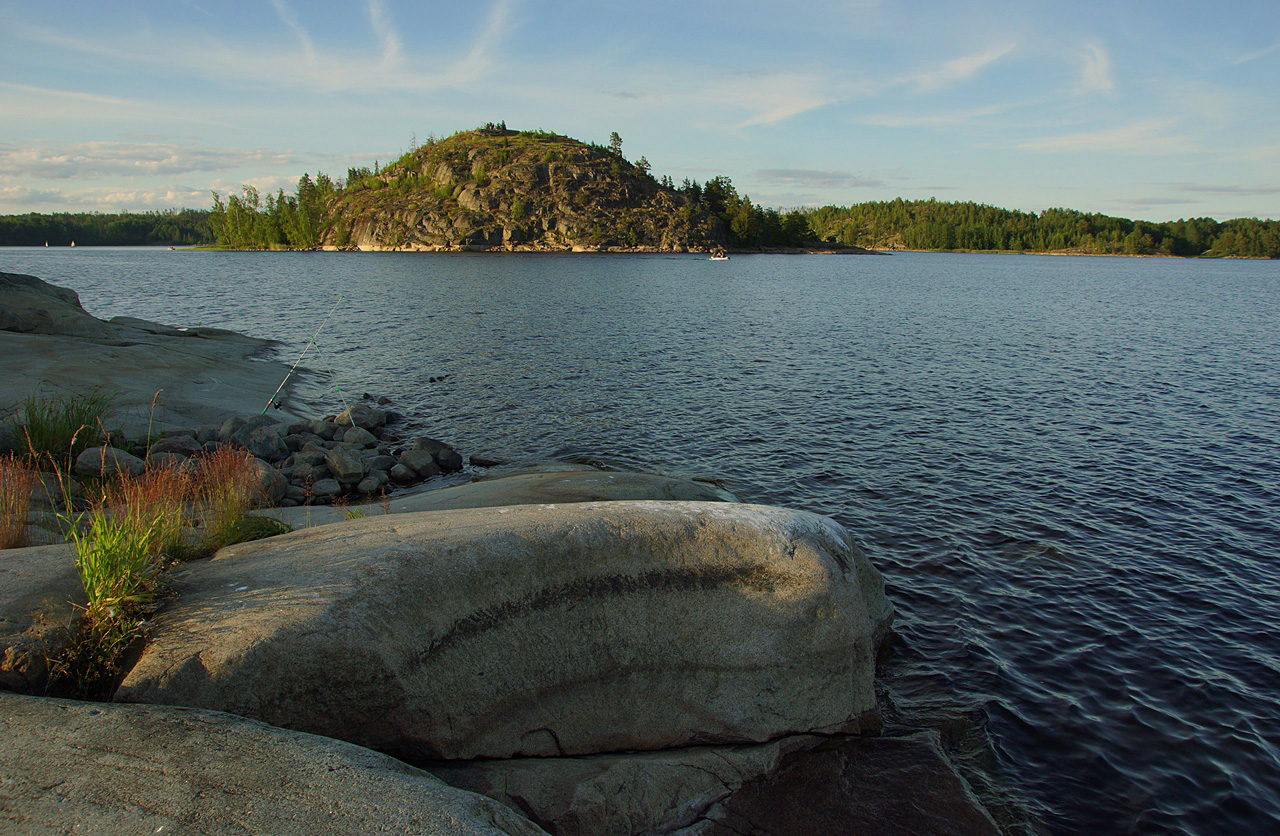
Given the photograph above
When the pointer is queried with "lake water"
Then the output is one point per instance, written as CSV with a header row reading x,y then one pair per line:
x,y
1067,468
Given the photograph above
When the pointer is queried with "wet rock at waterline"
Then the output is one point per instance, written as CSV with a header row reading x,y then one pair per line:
x,y
532,630
800,784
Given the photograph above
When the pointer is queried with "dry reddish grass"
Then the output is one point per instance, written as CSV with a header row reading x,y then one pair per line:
x,y
15,501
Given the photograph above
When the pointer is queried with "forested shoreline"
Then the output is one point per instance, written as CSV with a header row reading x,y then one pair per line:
x,y
968,226
298,222
172,227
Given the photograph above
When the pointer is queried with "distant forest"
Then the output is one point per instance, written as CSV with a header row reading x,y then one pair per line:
x,y
934,225
171,227
297,221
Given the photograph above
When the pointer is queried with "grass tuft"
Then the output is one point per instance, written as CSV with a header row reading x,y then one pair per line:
x,y
15,500
134,529
61,425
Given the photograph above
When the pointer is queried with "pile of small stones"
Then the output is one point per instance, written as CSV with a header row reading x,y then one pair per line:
x,y
350,456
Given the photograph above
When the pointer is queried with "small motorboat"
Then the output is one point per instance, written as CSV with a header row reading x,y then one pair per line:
x,y
719,255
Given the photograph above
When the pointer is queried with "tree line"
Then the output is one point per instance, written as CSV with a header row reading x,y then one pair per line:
x,y
124,229
297,222
935,225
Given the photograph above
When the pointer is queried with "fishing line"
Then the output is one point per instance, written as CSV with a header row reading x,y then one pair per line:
x,y
271,400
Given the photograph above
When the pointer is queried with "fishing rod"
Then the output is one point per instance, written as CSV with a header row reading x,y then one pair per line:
x,y
271,400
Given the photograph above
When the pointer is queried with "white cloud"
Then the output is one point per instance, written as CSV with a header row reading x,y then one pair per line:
x,y
1095,70
1138,138
105,199
93,160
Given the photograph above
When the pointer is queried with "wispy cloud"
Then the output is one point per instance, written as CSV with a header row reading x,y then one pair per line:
x,y
290,19
301,65
946,119
67,95
1206,188
818,178
92,160
491,36
957,69
1095,70
1258,53
1151,137
386,34
771,98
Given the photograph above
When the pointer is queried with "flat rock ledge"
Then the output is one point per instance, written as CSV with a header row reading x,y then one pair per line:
x,y
73,767
532,630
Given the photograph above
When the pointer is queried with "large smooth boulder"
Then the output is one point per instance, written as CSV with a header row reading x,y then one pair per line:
x,y
74,767
532,630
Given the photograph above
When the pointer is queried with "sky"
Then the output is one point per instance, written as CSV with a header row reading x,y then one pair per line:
x,y
1146,110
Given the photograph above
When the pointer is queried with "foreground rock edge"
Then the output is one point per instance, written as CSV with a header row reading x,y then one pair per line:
x,y
87,767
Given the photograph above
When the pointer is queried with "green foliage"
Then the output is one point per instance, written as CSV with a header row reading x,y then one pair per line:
x,y
296,222
172,227
749,226
518,209
58,428
934,225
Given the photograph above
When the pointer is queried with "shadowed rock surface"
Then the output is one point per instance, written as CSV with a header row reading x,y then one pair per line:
x,y
795,785
69,767
39,592
890,786
534,630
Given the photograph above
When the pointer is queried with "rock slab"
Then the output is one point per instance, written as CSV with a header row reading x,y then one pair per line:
x,y
74,767
532,630
794,785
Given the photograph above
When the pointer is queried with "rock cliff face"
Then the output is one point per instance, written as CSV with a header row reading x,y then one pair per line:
x,y
509,190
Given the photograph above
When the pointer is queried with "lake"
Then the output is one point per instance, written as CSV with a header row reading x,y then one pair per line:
x,y
1068,469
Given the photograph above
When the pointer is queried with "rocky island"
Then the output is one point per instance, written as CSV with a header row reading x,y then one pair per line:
x,y
499,190
561,650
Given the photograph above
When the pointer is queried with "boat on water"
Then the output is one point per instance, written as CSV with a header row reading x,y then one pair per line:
x,y
719,255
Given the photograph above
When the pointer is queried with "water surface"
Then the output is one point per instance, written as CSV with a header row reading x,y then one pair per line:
x,y
1067,468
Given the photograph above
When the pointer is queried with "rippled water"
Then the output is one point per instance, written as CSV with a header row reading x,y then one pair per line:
x,y
1067,468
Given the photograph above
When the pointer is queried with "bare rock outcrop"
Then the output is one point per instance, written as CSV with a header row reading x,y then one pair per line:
x,y
532,630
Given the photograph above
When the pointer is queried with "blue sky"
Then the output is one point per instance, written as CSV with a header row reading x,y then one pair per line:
x,y
1151,110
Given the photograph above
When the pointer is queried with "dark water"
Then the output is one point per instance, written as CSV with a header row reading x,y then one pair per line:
x,y
1067,468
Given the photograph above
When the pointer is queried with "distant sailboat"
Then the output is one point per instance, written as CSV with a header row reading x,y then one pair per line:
x,y
73,243
46,243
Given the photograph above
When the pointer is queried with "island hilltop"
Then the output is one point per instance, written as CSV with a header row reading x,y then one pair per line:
x,y
499,189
